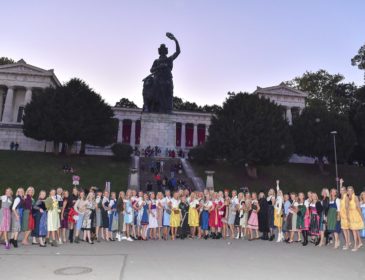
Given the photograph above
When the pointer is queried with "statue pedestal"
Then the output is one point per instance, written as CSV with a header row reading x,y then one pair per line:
x,y
210,182
133,179
158,130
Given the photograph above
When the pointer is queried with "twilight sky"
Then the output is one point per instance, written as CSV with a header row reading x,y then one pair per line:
x,y
227,45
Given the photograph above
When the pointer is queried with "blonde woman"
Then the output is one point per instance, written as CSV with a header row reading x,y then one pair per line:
x,y
193,216
278,215
40,219
323,222
87,219
344,205
5,215
355,218
175,215
53,218
17,211
80,208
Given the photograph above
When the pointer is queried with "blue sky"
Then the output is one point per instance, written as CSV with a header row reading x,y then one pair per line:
x,y
226,45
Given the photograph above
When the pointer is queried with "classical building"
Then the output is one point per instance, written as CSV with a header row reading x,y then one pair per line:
x,y
18,82
291,99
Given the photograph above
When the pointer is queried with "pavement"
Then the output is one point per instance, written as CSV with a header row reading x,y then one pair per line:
x,y
181,259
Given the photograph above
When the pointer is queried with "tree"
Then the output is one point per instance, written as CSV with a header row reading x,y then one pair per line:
x,y
125,103
70,113
122,152
312,134
87,118
359,59
327,88
5,60
181,105
357,118
40,118
250,130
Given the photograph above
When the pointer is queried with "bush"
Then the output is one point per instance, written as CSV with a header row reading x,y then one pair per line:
x,y
122,152
200,155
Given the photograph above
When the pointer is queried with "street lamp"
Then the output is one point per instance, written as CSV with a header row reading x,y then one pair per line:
x,y
334,133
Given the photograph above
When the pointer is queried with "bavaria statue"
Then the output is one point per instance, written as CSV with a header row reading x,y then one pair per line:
x,y
158,86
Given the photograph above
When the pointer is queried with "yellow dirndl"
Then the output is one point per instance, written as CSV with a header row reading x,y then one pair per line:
x,y
175,217
278,219
193,218
343,214
355,219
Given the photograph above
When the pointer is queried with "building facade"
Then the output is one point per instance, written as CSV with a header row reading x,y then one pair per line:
x,y
292,100
18,82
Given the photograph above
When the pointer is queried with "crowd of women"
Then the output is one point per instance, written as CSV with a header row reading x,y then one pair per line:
x,y
93,215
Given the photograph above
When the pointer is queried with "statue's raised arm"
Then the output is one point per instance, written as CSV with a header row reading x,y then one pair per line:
x,y
177,52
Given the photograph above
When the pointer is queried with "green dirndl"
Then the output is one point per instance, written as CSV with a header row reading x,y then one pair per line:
x,y
25,220
333,225
300,217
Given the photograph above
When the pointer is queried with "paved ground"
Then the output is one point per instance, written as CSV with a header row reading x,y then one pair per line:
x,y
187,259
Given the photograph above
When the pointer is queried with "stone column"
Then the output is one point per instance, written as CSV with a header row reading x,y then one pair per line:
x,y
28,96
289,115
210,182
8,108
133,133
195,135
1,103
183,136
120,132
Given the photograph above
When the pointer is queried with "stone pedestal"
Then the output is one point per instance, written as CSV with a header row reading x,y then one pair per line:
x,y
210,182
133,179
158,130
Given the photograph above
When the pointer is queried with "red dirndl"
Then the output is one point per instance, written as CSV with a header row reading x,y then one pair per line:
x,y
71,215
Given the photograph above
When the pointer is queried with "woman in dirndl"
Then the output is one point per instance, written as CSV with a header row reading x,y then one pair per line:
x,y
333,217
144,218
40,219
175,218
120,211
278,215
193,216
159,205
152,218
184,212
128,215
5,215
207,208
16,216
300,216
53,218
323,221
72,213
253,222
66,207
315,209
27,224
88,217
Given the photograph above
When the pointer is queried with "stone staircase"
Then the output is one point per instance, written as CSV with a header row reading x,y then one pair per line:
x,y
145,173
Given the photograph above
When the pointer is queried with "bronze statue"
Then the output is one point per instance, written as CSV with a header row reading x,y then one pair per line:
x,y
158,86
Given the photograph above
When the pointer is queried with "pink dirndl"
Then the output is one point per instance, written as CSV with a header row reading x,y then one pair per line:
x,y
5,220
253,222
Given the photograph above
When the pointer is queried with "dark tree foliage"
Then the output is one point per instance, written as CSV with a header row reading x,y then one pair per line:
x,y
357,117
125,103
5,60
359,59
250,130
312,134
181,105
327,88
122,152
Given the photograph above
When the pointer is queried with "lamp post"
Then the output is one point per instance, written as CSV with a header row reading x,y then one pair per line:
x,y
334,133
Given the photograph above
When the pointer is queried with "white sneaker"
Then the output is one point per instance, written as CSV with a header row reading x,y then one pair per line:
x,y
129,239
124,238
60,242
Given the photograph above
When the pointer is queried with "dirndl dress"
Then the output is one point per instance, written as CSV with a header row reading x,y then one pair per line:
x,y
314,221
333,225
152,218
5,214
128,212
144,216
166,217
53,217
175,219
205,220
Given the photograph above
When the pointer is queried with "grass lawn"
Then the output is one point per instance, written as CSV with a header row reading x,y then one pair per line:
x,y
293,177
44,171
